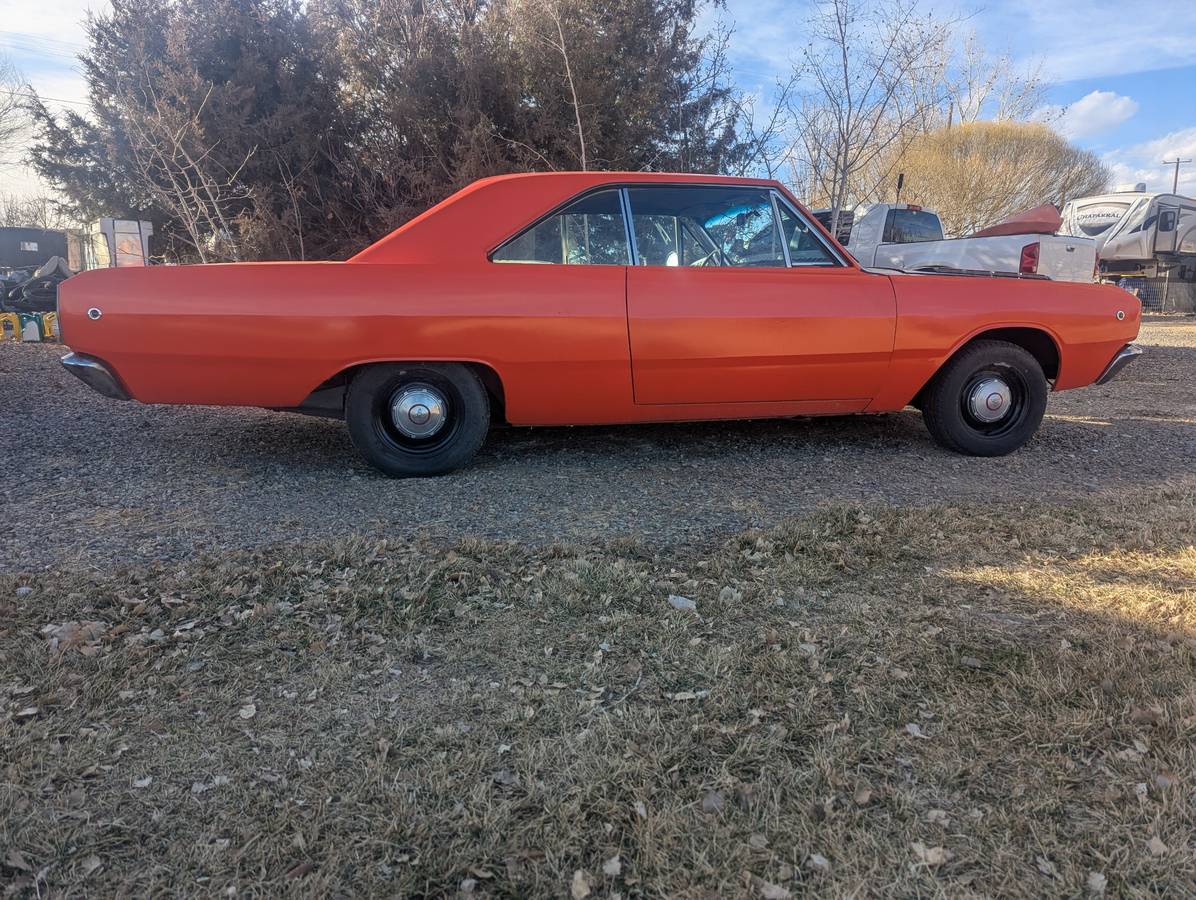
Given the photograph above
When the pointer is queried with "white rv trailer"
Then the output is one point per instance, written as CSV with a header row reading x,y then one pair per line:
x,y
1137,233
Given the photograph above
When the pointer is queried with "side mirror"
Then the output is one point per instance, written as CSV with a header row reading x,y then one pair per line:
x,y
1167,220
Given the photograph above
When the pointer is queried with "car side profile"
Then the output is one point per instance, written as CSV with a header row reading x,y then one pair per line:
x,y
596,298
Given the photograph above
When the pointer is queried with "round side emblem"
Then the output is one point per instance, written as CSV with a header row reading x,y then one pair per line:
x,y
94,313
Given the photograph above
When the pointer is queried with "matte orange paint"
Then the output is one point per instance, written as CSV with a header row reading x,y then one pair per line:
x,y
571,344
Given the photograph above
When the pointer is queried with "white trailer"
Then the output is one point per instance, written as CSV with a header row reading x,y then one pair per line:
x,y
1138,233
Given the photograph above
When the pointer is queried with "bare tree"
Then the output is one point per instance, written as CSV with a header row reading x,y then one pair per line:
x,y
13,120
179,170
978,173
876,74
552,9
32,212
985,86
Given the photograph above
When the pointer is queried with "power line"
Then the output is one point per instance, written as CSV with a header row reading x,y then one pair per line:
x,y
31,96
45,40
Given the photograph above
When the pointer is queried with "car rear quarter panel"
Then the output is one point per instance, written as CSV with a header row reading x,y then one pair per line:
x,y
938,314
268,334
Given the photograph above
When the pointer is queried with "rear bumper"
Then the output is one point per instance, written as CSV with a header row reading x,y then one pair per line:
x,y
1124,357
96,375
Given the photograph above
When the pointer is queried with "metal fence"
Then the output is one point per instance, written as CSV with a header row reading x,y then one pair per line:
x,y
1161,294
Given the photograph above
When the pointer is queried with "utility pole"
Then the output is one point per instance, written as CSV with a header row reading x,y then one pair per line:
x,y
1177,162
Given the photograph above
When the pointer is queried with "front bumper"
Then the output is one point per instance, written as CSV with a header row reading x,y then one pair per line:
x,y
1124,357
96,375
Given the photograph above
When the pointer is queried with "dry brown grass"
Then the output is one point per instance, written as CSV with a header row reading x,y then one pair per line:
x,y
956,701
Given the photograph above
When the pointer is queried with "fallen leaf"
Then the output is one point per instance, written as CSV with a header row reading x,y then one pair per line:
x,y
758,842
1046,867
678,602
15,859
969,662
248,711
612,866
818,862
938,817
640,809
932,856
712,802
506,778
298,871
1150,716
863,794
90,864
582,885
915,730
1096,883
144,782
770,891
1156,846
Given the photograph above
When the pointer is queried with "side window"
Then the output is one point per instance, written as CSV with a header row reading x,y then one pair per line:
x,y
805,247
589,231
705,226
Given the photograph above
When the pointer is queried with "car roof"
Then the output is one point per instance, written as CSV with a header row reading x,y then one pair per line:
x,y
480,216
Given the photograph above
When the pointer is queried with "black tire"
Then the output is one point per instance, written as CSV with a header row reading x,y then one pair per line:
x,y
947,402
373,429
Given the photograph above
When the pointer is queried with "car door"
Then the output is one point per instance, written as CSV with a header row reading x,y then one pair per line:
x,y
735,297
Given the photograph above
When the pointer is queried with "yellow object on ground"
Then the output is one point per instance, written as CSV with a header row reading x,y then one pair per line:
x,y
10,327
50,327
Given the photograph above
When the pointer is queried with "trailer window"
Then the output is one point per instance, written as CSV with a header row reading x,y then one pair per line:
x,y
912,226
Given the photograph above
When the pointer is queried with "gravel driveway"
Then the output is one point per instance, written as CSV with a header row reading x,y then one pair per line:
x,y
89,482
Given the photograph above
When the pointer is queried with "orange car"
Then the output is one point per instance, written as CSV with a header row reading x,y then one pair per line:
x,y
596,298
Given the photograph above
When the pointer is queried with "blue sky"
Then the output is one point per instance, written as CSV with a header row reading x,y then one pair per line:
x,y
1125,72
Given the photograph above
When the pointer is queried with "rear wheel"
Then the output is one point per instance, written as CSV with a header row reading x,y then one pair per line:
x,y
988,400
417,419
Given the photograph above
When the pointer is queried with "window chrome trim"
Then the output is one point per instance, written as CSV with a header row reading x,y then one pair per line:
x,y
838,260
633,248
776,223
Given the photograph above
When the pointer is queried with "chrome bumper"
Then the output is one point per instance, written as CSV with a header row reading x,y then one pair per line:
x,y
1125,356
96,376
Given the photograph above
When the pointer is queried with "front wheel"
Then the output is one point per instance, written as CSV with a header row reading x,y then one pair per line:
x,y
417,419
988,400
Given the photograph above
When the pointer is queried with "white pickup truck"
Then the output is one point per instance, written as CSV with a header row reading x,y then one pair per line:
x,y
902,236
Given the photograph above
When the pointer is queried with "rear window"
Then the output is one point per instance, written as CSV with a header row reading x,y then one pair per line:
x,y
910,226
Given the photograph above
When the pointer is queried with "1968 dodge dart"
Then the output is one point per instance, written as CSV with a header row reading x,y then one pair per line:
x,y
588,298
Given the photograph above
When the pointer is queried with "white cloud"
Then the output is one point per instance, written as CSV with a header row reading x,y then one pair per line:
x,y
1094,113
1145,162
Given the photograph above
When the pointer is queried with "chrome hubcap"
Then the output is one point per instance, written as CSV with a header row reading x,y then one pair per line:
x,y
418,410
990,400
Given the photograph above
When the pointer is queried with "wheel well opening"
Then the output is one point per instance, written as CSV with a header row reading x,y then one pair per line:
x,y
1034,341
328,399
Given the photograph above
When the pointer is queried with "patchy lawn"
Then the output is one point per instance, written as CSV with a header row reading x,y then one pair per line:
x,y
963,700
